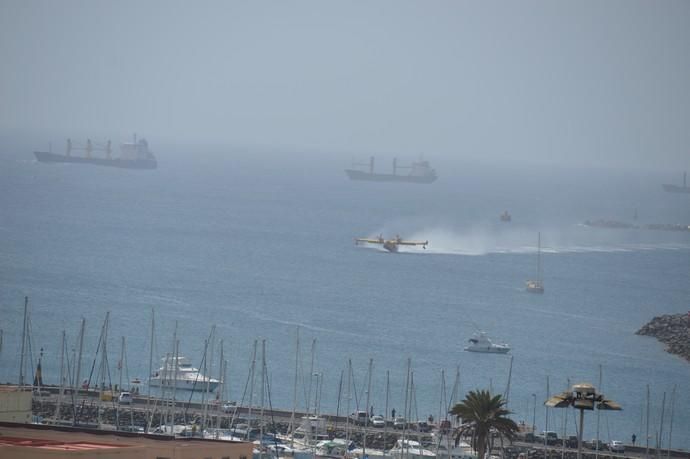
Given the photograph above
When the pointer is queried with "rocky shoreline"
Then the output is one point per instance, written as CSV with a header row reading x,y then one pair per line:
x,y
673,330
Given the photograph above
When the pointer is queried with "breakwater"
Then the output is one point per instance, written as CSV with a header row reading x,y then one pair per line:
x,y
673,330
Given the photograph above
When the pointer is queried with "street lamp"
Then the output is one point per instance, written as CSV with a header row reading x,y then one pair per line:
x,y
583,397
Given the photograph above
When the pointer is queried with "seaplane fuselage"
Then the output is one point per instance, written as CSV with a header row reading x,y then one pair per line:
x,y
391,245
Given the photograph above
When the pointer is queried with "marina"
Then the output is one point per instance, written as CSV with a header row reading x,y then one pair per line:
x,y
261,281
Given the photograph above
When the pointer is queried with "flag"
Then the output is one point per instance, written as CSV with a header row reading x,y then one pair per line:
x,y
38,377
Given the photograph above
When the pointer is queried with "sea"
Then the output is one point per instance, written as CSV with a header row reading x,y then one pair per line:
x,y
255,247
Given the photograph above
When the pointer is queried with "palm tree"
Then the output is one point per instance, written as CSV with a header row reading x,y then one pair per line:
x,y
479,413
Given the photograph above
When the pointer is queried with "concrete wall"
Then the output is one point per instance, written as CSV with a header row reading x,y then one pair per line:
x,y
15,405
116,446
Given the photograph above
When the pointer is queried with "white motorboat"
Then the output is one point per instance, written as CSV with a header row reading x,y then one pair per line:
x,y
410,449
445,448
180,374
481,343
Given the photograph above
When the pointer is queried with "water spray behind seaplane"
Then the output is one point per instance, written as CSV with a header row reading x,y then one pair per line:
x,y
390,244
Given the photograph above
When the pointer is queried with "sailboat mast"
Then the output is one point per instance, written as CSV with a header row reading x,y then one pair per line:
x,y
220,394
173,391
62,377
506,396
596,452
349,396
148,396
311,375
407,394
120,363
251,377
546,415
364,443
21,358
539,256
385,412
670,429
176,359
647,427
104,363
263,392
122,360
208,362
77,381
660,440
294,393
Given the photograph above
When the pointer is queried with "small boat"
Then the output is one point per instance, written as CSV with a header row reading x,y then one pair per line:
x,y
505,216
481,343
182,375
536,285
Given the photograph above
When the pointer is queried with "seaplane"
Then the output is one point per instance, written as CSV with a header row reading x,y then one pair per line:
x,y
390,244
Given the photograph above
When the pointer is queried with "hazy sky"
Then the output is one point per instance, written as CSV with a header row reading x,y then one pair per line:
x,y
582,82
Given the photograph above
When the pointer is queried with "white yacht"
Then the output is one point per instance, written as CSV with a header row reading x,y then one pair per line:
x,y
179,373
481,343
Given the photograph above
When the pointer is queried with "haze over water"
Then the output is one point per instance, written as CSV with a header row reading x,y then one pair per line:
x,y
558,112
258,248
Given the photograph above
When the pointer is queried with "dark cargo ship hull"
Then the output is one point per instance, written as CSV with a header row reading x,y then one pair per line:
x,y
676,188
361,175
48,157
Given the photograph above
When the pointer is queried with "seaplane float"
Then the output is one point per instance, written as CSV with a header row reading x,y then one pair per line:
x,y
390,244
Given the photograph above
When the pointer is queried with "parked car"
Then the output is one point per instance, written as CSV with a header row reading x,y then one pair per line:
x,y
616,446
228,407
529,437
444,426
399,423
571,441
125,398
360,418
378,421
423,426
594,443
551,437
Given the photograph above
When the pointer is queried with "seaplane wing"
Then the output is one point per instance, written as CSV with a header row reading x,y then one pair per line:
x,y
368,241
422,243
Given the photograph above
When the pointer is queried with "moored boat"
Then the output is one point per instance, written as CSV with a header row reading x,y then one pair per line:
x,y
410,449
180,374
481,343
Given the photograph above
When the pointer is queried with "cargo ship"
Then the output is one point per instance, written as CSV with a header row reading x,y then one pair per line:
x,y
134,155
677,188
419,172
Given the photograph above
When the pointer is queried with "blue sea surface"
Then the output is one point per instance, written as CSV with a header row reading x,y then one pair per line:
x,y
260,245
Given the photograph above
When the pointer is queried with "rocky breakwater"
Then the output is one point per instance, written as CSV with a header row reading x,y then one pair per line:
x,y
672,330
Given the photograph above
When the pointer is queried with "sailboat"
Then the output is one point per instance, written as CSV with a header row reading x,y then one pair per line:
x,y
537,285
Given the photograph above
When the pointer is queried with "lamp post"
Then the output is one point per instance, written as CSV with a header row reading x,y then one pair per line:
x,y
583,397
534,414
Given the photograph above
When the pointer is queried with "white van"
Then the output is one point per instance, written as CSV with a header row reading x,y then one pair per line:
x,y
125,398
